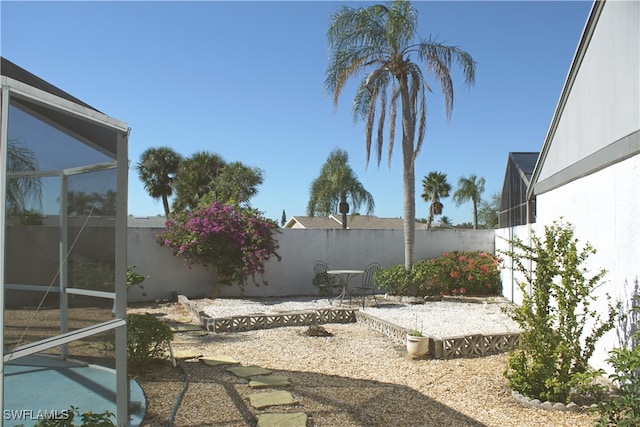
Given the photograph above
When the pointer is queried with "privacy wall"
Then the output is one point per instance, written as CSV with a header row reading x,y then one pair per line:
x,y
299,249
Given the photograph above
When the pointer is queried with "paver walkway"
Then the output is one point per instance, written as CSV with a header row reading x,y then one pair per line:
x,y
259,378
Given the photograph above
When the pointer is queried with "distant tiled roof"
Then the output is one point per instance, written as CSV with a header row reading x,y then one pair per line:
x,y
152,221
354,222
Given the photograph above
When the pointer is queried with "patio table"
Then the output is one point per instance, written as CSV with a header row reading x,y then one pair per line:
x,y
345,276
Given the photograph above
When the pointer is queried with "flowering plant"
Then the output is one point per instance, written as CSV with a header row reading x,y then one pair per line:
x,y
459,273
236,240
455,273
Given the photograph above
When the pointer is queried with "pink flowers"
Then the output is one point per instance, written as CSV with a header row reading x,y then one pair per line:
x,y
237,241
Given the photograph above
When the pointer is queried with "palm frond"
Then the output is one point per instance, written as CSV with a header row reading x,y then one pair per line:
x,y
422,125
393,114
380,138
24,190
438,58
371,115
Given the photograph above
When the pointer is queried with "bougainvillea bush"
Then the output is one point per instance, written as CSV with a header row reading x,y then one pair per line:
x,y
237,241
455,273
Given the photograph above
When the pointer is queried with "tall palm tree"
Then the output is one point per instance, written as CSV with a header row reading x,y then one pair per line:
x,y
336,185
435,186
380,40
470,189
157,169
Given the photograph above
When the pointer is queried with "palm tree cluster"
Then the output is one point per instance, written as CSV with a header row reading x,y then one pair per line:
x,y
435,187
335,187
380,41
202,178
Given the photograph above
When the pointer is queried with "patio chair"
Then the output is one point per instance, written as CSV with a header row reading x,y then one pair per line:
x,y
367,283
324,281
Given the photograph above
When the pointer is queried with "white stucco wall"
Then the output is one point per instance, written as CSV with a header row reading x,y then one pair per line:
x,y
510,277
165,273
604,208
299,249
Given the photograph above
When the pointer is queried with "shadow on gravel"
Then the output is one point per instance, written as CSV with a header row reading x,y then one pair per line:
x,y
327,400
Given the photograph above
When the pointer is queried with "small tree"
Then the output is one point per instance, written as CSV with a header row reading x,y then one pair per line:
x,y
236,240
489,211
555,347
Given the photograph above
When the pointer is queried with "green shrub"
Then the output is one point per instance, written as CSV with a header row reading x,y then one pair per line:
x,y
623,408
552,360
459,273
455,273
134,278
147,340
395,280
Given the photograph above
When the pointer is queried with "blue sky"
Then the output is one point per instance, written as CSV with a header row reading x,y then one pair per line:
x,y
245,80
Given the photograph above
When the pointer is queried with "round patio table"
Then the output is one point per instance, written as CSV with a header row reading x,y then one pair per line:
x,y
345,276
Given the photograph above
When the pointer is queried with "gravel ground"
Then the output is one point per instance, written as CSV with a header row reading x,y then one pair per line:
x,y
354,378
437,319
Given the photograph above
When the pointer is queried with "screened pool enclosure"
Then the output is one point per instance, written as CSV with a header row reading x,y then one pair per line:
x,y
63,218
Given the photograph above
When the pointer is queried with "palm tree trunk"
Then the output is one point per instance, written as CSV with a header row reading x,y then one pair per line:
x,y
408,172
165,203
475,215
430,217
344,209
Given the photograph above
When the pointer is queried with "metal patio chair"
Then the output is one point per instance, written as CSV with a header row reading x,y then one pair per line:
x,y
324,281
367,283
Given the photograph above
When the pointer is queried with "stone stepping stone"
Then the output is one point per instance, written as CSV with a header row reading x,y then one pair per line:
x,y
294,419
265,381
271,398
219,360
248,371
183,327
186,354
199,333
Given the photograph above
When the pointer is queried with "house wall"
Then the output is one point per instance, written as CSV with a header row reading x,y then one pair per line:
x,y
299,249
602,106
510,277
603,208
590,173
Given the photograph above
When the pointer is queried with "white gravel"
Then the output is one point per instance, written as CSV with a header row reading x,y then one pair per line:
x,y
437,319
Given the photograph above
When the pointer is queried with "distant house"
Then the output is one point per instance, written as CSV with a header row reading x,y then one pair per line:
x,y
355,222
514,207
